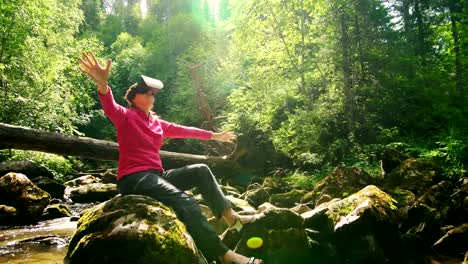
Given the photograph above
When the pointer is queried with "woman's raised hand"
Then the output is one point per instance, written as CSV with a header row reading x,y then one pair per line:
x,y
91,67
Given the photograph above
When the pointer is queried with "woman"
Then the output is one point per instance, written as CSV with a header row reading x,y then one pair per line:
x,y
140,134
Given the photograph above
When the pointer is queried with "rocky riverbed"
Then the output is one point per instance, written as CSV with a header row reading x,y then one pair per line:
x,y
409,213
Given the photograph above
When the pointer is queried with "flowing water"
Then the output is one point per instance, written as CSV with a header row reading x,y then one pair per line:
x,y
43,243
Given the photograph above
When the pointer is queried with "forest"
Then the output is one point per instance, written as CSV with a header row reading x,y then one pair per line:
x,y
307,84
311,88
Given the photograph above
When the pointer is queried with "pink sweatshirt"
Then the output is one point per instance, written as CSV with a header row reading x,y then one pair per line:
x,y
140,137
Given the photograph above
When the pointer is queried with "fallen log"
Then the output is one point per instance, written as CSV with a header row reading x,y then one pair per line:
x,y
17,137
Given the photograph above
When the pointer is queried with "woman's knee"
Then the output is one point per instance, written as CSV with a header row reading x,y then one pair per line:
x,y
201,167
203,171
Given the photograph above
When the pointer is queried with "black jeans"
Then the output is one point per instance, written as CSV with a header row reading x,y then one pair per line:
x,y
169,188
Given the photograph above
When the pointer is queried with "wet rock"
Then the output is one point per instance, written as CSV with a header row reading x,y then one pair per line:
x,y
92,192
137,229
265,206
48,240
275,185
55,201
412,175
21,193
309,198
428,213
240,204
301,208
460,199
27,167
55,189
56,211
256,194
323,199
109,177
8,214
288,199
284,238
342,182
83,180
367,217
230,190
405,199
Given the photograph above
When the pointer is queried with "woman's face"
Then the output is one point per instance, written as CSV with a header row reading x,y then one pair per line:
x,y
144,101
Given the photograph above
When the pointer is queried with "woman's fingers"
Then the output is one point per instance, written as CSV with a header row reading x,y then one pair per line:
x,y
94,59
84,64
88,74
87,59
83,70
229,137
108,65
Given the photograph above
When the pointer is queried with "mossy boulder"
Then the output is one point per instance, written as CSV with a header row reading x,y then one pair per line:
x,y
21,193
275,185
391,158
413,175
27,167
287,199
93,192
404,200
230,190
428,213
284,238
265,206
131,229
109,177
256,194
239,204
301,208
342,182
362,227
459,212
56,211
8,214
83,180
55,189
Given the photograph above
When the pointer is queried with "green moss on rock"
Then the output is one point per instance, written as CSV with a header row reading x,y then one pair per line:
x,y
131,229
287,199
19,192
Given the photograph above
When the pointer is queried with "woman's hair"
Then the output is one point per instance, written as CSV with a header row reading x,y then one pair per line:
x,y
131,93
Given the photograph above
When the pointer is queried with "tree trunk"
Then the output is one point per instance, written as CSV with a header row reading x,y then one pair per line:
x,y
359,43
421,49
16,137
201,98
455,12
407,21
347,71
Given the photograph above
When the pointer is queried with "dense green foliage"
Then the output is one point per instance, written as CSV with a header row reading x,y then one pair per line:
x,y
320,82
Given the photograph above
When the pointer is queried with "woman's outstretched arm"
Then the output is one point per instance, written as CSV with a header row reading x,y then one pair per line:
x,y
91,67
172,130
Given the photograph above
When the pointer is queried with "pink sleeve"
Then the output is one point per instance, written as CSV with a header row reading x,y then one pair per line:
x,y
171,130
113,110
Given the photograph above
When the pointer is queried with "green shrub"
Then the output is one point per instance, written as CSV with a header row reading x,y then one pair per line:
x,y
63,168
